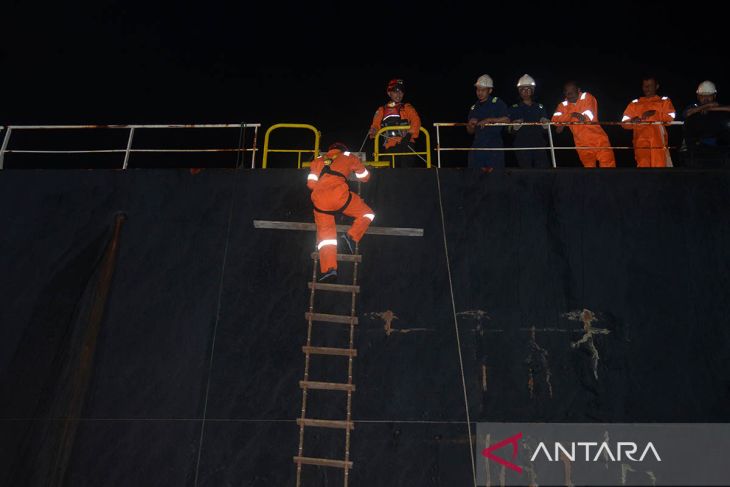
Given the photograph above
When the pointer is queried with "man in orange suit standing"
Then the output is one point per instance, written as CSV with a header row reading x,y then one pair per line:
x,y
394,113
331,195
650,141
581,106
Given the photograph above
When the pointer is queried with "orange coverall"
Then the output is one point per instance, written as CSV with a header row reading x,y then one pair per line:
x,y
405,113
331,195
586,135
650,141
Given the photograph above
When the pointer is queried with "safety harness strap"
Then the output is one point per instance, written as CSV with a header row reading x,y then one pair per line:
x,y
340,210
328,170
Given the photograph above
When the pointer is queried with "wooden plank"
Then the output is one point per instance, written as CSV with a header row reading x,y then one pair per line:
x,y
326,386
344,319
343,352
310,227
341,288
323,462
342,257
326,423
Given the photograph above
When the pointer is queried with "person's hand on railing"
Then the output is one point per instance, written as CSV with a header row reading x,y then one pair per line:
x,y
702,108
471,125
579,116
643,118
545,123
719,108
488,121
515,128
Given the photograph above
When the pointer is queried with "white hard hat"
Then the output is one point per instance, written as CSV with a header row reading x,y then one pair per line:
x,y
706,88
526,80
484,81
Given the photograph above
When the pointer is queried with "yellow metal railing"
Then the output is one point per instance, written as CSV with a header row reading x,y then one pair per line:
x,y
299,152
392,155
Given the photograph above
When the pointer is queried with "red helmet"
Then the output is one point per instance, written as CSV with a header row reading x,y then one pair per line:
x,y
339,146
395,85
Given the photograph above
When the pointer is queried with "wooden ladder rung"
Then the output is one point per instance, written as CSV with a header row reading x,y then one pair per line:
x,y
331,318
342,257
342,288
329,386
325,462
344,352
326,423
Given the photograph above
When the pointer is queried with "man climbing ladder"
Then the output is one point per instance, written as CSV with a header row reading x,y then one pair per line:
x,y
331,195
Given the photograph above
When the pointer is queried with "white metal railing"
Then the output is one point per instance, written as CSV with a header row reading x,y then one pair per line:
x,y
551,145
128,150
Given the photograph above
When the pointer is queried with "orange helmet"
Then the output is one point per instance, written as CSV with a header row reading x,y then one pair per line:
x,y
339,146
395,85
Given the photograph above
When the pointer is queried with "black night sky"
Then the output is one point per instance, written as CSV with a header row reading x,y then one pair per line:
x,y
327,64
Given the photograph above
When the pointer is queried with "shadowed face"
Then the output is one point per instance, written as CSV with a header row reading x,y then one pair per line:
x,y
396,95
571,92
705,99
649,87
526,92
483,93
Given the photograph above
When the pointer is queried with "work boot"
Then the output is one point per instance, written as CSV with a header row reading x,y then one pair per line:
x,y
350,244
329,276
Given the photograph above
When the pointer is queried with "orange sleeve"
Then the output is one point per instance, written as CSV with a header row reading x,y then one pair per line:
x,y
414,121
630,112
561,114
377,119
590,103
314,171
361,172
668,113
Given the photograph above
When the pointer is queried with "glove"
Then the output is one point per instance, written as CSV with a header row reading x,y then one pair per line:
x,y
406,138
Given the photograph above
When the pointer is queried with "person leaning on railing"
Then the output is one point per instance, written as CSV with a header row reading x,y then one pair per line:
x,y
650,141
392,114
706,101
487,110
581,106
529,111
706,133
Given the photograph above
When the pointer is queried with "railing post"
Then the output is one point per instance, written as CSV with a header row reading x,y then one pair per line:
x,y
241,152
253,146
428,147
438,146
129,146
4,147
552,147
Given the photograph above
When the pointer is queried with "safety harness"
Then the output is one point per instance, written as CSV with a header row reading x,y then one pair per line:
x,y
328,170
392,117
